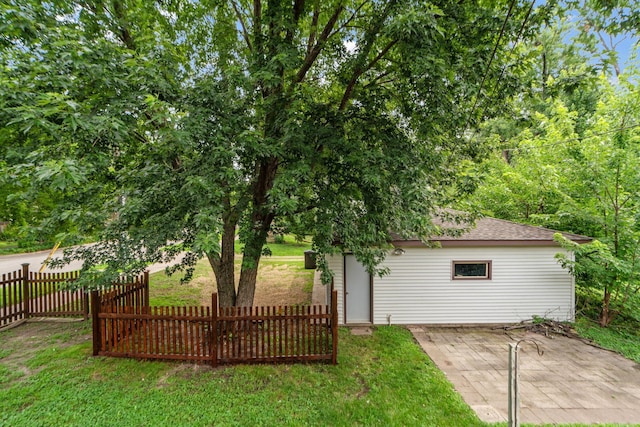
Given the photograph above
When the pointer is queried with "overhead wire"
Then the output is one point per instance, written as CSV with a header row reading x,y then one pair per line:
x,y
495,87
513,48
488,67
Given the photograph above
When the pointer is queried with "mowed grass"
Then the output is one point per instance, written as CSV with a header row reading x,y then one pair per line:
x,y
290,247
279,282
380,380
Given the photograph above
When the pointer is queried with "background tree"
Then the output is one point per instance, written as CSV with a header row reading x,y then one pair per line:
x,y
580,175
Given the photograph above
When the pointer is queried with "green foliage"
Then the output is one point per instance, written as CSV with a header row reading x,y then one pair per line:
x,y
621,335
595,263
384,379
288,246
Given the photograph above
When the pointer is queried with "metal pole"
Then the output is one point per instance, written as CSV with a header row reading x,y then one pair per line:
x,y
514,398
516,391
53,251
512,402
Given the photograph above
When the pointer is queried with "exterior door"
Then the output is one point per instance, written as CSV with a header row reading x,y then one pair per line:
x,y
357,291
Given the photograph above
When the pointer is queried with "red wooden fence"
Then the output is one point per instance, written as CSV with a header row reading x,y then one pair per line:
x,y
11,296
47,296
125,326
224,335
25,294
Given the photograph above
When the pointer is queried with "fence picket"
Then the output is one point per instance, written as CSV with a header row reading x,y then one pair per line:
x,y
222,335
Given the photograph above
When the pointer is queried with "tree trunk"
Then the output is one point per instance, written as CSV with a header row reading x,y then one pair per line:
x,y
250,263
223,266
605,314
247,286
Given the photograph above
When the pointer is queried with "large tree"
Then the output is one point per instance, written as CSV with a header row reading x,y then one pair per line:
x,y
179,125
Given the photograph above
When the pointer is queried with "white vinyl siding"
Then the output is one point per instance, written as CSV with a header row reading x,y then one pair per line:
x,y
336,264
525,281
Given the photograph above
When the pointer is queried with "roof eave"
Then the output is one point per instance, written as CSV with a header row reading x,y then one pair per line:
x,y
480,243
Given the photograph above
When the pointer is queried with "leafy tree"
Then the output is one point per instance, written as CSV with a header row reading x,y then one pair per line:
x,y
191,122
606,193
587,183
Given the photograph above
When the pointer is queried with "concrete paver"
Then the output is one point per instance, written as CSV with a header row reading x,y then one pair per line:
x,y
572,382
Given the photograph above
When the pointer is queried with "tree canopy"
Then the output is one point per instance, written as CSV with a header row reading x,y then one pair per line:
x,y
176,125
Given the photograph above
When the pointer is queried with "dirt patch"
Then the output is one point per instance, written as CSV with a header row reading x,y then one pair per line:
x,y
275,285
24,342
281,285
183,370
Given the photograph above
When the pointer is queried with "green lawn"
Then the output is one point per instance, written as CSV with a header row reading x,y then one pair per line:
x,y
622,335
278,280
48,376
383,380
8,247
289,248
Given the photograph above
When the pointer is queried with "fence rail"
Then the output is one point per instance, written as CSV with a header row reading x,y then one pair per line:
x,y
172,333
46,295
224,335
124,325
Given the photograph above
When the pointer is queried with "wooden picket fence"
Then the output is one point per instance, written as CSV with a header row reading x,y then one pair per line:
x,y
124,325
25,294
217,335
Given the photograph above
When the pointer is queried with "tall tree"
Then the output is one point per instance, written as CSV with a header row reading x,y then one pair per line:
x,y
189,122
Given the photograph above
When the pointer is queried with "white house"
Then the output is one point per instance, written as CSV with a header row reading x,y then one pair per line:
x,y
498,272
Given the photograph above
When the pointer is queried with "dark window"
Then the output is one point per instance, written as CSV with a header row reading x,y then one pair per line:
x,y
471,270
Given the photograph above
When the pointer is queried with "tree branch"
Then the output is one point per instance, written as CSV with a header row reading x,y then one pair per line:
x,y
245,33
121,22
298,7
314,27
317,48
369,40
351,18
359,71
257,25
378,78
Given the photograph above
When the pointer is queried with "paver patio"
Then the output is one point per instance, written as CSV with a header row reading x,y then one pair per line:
x,y
572,382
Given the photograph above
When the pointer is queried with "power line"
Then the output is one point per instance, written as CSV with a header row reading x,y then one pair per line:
x,y
513,48
564,141
495,87
493,54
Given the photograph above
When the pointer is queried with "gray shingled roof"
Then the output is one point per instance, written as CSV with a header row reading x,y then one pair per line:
x,y
492,231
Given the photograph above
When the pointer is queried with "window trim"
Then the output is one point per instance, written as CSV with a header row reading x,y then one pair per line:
x,y
457,262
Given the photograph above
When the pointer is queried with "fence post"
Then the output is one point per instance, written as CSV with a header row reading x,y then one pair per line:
x,y
214,329
85,296
26,303
334,327
146,289
95,310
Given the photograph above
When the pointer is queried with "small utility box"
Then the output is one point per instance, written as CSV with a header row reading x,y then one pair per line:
x,y
310,260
